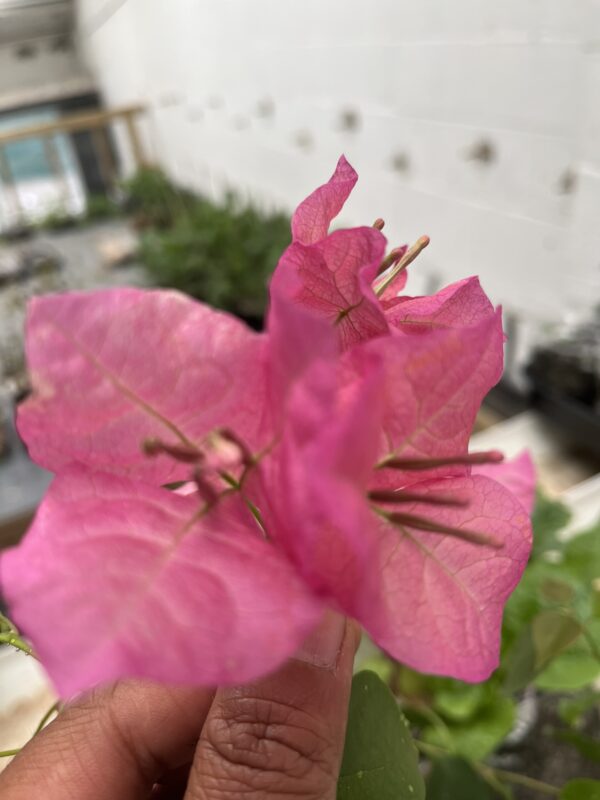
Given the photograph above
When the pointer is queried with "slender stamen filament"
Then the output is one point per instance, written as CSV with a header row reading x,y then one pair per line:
x,y
485,457
403,496
207,492
431,526
180,452
220,444
392,257
407,258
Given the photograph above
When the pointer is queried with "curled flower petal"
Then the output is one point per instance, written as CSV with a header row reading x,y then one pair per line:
x,y
311,220
117,578
110,369
461,304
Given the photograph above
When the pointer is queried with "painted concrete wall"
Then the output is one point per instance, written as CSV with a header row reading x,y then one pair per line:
x,y
476,122
44,74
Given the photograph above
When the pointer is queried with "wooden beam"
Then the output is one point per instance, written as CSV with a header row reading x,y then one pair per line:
x,y
72,123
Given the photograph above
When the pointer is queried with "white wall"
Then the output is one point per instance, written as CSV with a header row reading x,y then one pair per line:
x,y
252,95
48,75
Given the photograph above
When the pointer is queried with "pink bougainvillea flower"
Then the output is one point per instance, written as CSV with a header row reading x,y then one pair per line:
x,y
516,474
424,558
334,277
324,463
332,274
335,274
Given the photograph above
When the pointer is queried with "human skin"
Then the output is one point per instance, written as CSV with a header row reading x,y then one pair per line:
x,y
279,737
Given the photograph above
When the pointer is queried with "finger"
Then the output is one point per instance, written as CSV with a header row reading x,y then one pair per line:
x,y
114,742
282,736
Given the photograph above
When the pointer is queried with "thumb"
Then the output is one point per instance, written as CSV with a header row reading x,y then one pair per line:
x,y
114,742
282,736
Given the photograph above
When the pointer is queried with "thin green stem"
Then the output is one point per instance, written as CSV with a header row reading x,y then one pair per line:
x,y
54,708
486,771
6,626
14,640
238,487
9,753
522,780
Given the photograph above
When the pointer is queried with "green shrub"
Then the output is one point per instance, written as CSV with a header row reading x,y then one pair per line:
x,y
152,200
221,254
100,207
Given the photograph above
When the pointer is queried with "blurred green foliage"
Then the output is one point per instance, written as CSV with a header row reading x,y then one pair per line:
x,y
220,253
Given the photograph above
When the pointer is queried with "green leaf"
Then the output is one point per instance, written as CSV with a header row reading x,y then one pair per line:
x,y
582,555
520,664
595,598
452,778
581,789
572,709
589,748
479,736
461,701
557,591
549,517
549,634
380,760
571,671
381,666
552,633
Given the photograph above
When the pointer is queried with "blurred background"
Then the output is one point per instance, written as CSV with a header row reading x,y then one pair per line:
x,y
152,143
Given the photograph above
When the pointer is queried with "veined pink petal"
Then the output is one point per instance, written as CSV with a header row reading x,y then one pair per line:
x,y
518,475
311,220
333,278
297,337
461,304
441,600
112,368
309,488
434,387
120,579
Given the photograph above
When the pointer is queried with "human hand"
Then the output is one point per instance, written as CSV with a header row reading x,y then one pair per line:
x,y
279,737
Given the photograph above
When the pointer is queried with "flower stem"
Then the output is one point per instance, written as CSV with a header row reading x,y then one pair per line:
x,y
502,774
522,780
54,708
14,640
9,753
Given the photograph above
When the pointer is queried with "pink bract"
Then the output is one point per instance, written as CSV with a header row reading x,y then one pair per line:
x,y
333,273
117,578
312,218
385,574
517,474
110,369
313,429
